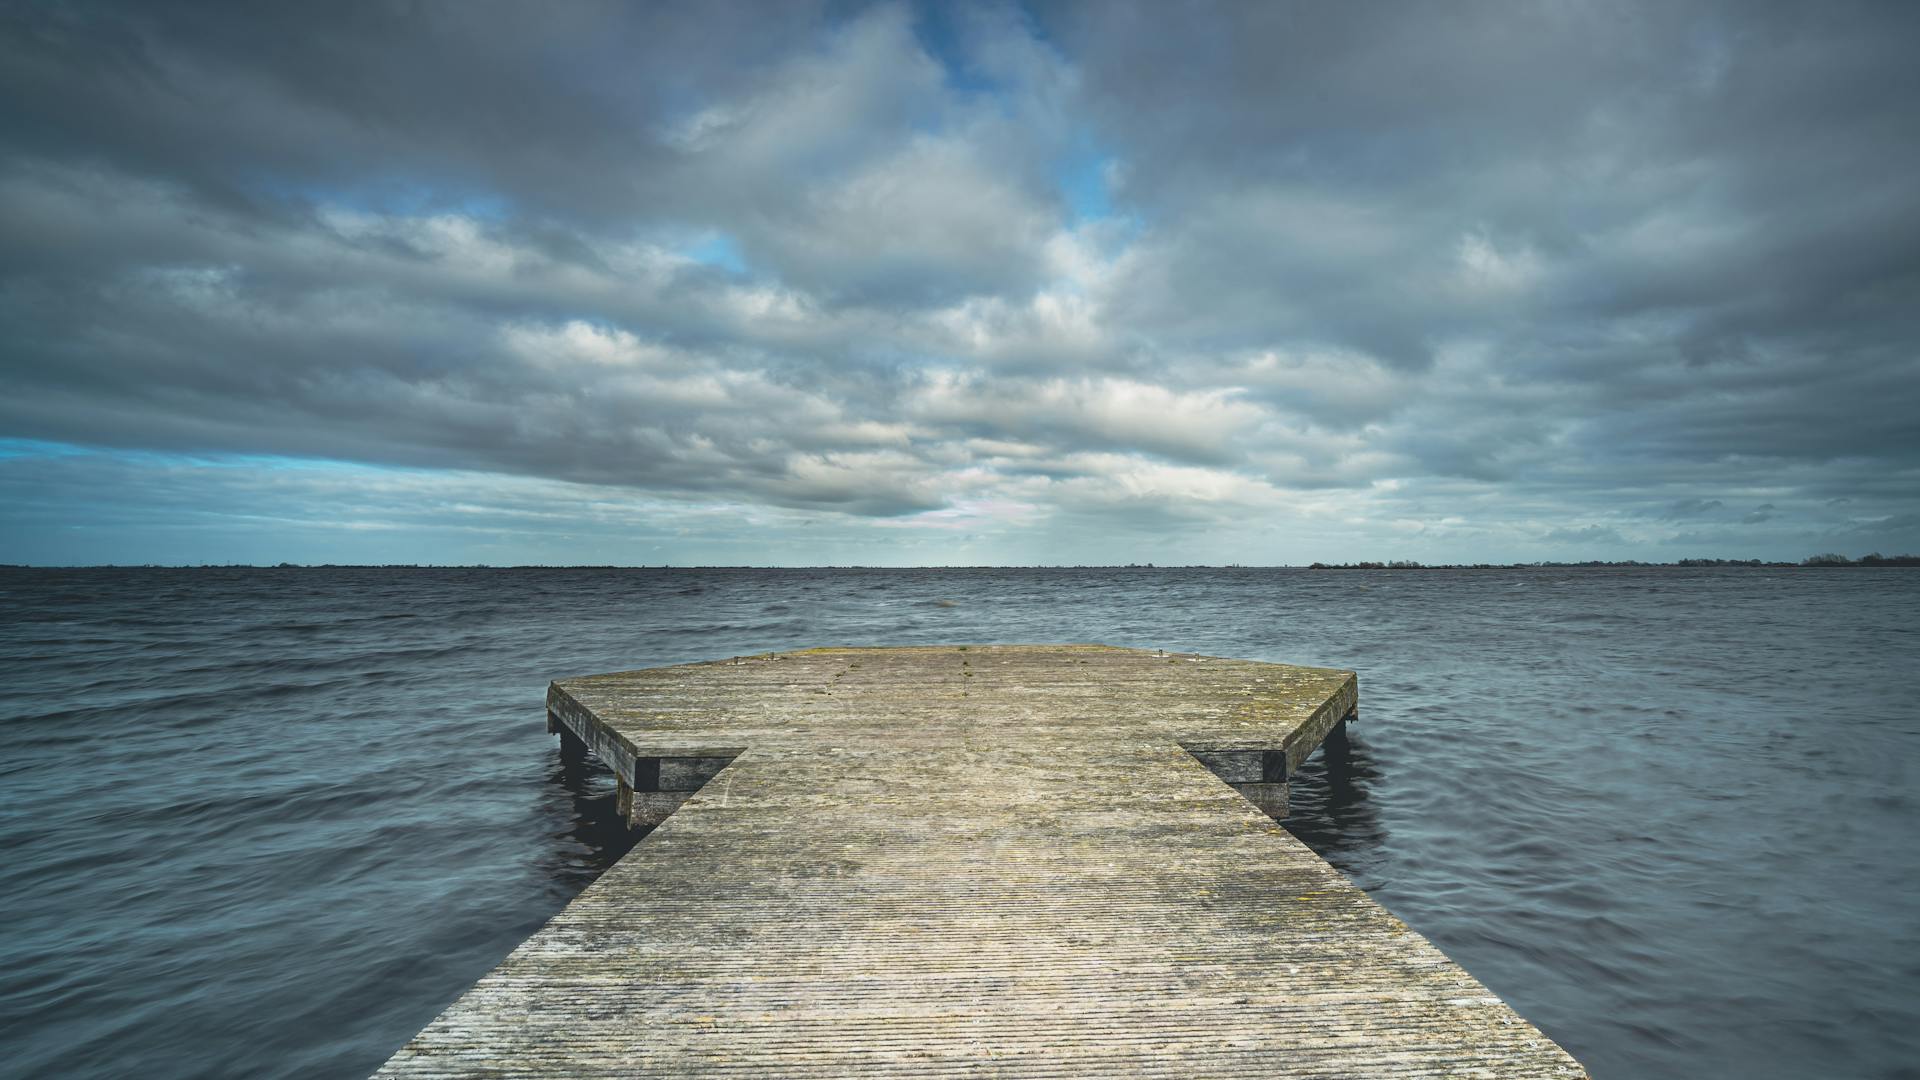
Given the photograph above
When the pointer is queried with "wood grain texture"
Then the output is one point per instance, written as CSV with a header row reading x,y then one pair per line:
x,y
984,861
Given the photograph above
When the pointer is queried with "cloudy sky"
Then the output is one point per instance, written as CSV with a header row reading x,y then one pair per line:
x,y
896,284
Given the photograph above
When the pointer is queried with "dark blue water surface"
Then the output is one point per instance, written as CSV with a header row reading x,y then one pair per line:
x,y
270,822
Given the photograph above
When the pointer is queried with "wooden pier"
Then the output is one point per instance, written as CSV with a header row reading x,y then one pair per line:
x,y
979,861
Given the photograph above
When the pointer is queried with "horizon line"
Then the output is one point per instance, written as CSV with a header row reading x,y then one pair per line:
x,y
1902,561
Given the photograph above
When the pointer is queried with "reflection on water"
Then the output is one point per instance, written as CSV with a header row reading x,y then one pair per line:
x,y
265,823
1330,809
598,834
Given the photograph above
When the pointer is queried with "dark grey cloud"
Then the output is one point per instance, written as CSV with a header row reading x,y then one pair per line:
x,y
1432,280
1588,535
251,103
1690,508
1698,208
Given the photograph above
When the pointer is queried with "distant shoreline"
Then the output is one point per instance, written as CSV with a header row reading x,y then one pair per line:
x,y
1816,562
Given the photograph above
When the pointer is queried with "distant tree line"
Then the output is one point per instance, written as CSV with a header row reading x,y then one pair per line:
x,y
1875,559
1397,564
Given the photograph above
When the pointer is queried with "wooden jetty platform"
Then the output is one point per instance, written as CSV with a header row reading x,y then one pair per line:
x,y
1022,861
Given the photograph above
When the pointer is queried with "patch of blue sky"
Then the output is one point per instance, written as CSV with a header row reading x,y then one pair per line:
x,y
938,29
281,463
1085,183
391,197
1084,176
11,448
717,249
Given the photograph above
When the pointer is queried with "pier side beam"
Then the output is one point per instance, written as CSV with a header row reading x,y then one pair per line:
x,y
1270,797
1270,794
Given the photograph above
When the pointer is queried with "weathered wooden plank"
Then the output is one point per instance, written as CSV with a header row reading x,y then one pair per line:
x,y
1000,861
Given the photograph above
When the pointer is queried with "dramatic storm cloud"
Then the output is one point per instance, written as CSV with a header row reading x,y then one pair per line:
x,y
925,284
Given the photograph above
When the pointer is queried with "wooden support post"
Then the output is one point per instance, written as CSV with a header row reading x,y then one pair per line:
x,y
1335,746
572,748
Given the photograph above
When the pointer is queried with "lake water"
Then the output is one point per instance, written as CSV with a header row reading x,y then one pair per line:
x,y
268,823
